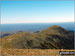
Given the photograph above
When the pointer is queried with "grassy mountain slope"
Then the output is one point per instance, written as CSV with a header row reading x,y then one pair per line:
x,y
54,37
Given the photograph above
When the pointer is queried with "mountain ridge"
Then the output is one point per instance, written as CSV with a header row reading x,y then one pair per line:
x,y
55,37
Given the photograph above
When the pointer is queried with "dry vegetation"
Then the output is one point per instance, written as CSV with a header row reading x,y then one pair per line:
x,y
32,51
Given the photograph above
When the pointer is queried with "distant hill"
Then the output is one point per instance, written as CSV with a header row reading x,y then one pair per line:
x,y
3,34
55,37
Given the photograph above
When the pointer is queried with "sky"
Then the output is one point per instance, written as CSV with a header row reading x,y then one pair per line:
x,y
36,11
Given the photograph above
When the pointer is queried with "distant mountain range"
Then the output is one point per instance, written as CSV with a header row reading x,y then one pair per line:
x,y
55,37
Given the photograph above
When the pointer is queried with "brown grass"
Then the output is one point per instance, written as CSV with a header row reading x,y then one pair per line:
x,y
32,51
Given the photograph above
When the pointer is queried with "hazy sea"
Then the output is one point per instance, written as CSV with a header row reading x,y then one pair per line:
x,y
34,26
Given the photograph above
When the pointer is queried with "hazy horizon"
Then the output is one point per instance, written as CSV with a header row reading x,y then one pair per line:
x,y
38,23
34,26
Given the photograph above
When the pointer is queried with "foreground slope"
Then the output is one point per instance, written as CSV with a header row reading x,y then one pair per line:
x,y
54,37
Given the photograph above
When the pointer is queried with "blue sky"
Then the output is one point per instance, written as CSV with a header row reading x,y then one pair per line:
x,y
36,11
